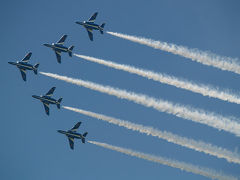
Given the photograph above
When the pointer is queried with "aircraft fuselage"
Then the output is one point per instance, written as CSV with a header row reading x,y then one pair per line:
x,y
90,25
22,65
57,47
71,134
46,99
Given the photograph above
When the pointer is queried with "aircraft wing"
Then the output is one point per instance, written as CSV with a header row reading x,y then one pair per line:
x,y
27,57
74,129
23,73
58,55
93,17
46,107
62,39
90,34
71,142
50,92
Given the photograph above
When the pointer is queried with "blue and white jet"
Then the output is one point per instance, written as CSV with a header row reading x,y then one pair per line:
x,y
23,65
90,25
71,134
58,48
46,100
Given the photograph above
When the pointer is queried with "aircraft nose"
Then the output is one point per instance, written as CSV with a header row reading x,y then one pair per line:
x,y
60,131
34,96
46,45
11,63
77,22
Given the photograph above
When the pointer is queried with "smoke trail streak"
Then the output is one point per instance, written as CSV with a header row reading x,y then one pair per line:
x,y
207,58
168,162
170,80
196,115
199,146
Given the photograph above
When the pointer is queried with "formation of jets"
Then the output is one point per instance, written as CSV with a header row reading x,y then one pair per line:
x,y
58,48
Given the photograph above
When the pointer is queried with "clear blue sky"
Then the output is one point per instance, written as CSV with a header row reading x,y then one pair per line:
x,y
30,146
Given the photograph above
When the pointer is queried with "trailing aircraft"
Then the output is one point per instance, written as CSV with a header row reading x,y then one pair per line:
x,y
46,100
71,134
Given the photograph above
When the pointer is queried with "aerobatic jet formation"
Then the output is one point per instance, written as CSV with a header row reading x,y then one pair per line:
x,y
71,134
58,47
90,25
46,100
23,65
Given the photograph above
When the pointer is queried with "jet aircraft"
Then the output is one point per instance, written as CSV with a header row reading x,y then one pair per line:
x,y
23,65
46,100
58,48
90,25
71,134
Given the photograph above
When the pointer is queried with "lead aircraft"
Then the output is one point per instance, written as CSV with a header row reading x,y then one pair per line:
x,y
90,25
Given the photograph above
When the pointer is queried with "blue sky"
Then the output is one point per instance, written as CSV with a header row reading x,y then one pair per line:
x,y
30,146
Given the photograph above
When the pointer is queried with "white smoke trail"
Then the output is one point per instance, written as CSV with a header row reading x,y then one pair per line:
x,y
207,58
196,115
170,80
199,146
168,162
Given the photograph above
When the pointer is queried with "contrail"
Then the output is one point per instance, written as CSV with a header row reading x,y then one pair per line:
x,y
207,58
205,90
168,162
196,115
199,146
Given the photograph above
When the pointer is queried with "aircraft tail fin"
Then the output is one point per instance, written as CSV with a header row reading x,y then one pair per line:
x,y
59,101
83,138
102,26
35,68
85,134
70,50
